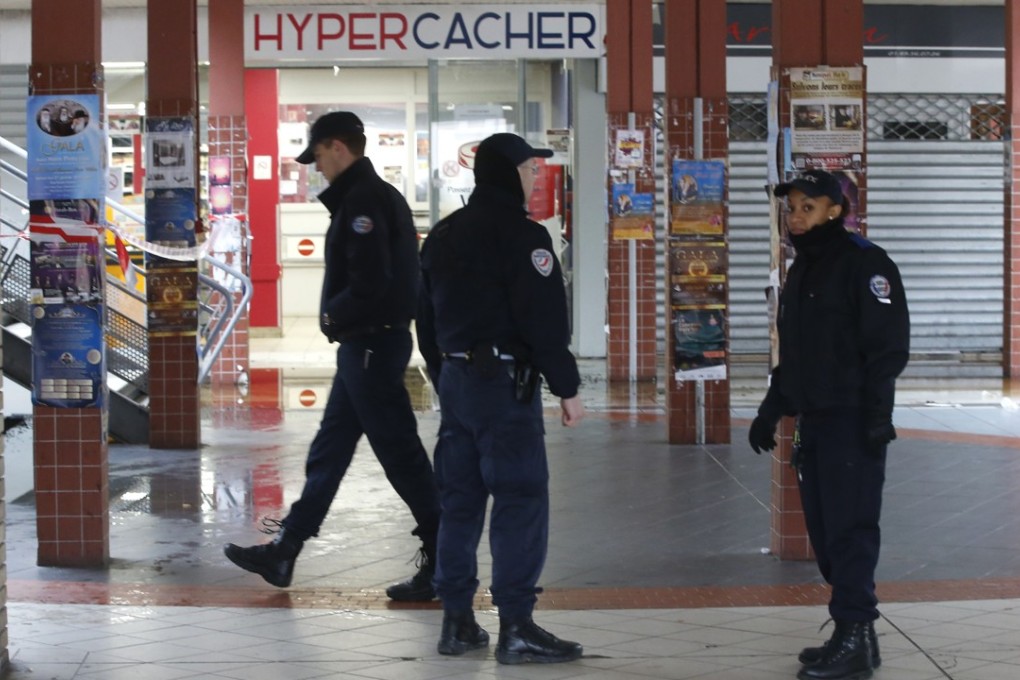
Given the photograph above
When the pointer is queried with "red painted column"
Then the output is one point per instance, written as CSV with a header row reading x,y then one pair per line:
x,y
70,444
173,361
806,33
1011,256
262,113
228,145
695,33
632,277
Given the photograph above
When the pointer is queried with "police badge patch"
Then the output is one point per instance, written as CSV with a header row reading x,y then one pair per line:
x,y
362,224
542,259
880,288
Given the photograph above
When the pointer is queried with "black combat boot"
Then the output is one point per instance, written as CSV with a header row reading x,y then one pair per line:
x,y
812,655
272,561
418,588
461,633
847,655
524,642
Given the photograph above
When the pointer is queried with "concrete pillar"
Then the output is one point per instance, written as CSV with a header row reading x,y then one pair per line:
x,y
695,32
228,177
1011,257
262,107
805,33
589,215
70,443
171,286
632,309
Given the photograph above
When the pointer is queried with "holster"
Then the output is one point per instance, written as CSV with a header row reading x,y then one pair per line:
x,y
525,381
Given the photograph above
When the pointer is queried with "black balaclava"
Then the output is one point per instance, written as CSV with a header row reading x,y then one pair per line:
x,y
493,169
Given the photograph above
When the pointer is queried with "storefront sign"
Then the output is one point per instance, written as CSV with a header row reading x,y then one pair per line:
x,y
538,31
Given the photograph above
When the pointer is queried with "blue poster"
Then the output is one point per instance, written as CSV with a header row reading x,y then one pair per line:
x,y
698,181
170,217
697,190
68,355
66,147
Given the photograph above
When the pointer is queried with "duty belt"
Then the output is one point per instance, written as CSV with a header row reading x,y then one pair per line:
x,y
467,356
367,330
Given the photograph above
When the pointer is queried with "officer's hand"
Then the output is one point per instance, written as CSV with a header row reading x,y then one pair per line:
x,y
762,436
573,411
879,432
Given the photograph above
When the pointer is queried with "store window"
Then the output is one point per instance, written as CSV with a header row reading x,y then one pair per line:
x,y
399,153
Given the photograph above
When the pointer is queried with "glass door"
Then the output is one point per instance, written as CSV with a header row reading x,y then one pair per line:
x,y
468,101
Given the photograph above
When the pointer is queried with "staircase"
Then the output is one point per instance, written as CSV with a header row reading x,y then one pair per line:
x,y
224,294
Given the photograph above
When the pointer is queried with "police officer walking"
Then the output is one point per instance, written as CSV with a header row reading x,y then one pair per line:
x,y
844,335
493,318
369,295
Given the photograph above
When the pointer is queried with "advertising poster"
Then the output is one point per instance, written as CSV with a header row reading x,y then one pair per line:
x,y
66,146
699,348
170,217
826,117
629,149
697,189
173,306
698,274
64,249
170,153
633,214
67,355
221,199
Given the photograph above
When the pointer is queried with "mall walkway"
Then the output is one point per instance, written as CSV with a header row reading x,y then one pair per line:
x,y
658,562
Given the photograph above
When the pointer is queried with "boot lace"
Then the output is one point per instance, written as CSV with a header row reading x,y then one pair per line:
x,y
420,559
271,525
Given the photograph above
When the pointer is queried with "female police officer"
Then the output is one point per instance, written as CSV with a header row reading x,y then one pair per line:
x,y
493,301
843,339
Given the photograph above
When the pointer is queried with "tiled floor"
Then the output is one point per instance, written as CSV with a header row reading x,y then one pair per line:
x,y
658,560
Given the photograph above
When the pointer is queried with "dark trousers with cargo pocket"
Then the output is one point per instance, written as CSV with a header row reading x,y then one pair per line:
x,y
368,398
841,482
490,445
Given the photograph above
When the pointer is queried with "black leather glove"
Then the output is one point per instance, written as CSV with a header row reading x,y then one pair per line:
x,y
879,432
762,436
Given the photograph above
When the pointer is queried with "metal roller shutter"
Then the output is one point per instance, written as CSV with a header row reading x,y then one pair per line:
x,y
937,208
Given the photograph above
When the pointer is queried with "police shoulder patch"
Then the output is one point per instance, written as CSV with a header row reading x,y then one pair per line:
x,y
542,260
880,287
362,224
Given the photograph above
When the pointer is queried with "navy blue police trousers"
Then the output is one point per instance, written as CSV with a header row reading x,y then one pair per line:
x,y
841,482
368,398
490,445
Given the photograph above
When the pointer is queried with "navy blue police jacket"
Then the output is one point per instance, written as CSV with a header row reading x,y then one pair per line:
x,y
372,274
844,328
490,275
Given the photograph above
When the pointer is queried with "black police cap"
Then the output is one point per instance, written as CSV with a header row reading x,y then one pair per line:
x,y
814,183
333,124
